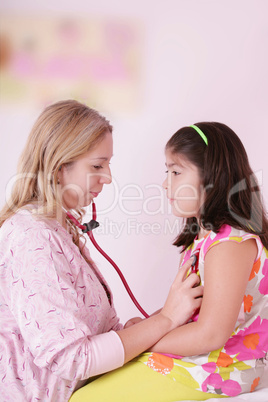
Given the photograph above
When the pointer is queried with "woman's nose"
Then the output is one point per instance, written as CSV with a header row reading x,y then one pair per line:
x,y
106,177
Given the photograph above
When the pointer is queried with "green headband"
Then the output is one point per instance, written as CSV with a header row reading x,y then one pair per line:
x,y
200,132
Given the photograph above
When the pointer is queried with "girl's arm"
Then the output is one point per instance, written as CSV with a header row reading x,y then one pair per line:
x,y
227,269
182,301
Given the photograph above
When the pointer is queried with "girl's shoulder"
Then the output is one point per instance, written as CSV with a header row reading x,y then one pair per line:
x,y
229,233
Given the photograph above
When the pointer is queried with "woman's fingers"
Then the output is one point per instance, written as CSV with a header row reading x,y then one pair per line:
x,y
132,321
185,296
198,291
184,269
192,279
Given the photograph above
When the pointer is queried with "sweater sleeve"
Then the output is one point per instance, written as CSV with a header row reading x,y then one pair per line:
x,y
107,353
55,321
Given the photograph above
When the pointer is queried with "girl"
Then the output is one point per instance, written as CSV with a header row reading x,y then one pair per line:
x,y
58,322
221,351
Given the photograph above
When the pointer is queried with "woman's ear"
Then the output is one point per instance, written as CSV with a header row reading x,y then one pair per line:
x,y
59,175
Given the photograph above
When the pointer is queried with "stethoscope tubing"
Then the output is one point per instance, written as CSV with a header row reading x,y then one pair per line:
x,y
84,228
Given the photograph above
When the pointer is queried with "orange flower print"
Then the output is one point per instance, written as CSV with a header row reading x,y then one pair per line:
x,y
255,269
251,341
254,384
247,303
160,363
224,360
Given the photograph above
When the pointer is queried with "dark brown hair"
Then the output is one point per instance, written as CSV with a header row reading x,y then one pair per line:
x,y
232,194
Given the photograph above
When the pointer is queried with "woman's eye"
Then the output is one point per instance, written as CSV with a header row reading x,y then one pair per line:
x,y
98,167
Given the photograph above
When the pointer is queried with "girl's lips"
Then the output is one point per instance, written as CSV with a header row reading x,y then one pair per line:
x,y
94,194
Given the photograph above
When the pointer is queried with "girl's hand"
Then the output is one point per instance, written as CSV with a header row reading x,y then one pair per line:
x,y
132,321
184,297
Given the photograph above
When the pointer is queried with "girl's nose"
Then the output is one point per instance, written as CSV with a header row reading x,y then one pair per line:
x,y
164,184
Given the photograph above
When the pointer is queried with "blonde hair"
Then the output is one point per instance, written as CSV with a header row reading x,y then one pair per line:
x,y
63,132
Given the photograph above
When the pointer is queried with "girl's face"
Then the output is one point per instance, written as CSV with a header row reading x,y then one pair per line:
x,y
83,179
183,185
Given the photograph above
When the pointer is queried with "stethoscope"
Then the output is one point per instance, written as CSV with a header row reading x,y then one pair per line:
x,y
89,226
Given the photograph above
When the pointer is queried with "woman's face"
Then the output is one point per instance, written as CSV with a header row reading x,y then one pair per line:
x,y
83,180
183,185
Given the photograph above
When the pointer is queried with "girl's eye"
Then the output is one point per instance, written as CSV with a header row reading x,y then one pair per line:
x,y
98,167
173,172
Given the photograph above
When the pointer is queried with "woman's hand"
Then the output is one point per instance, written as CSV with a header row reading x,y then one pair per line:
x,y
184,297
132,321
182,294
182,301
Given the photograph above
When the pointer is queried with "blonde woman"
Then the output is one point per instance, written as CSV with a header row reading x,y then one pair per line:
x,y
59,326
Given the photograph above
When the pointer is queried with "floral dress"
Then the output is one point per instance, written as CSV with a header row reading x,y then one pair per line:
x,y
238,366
